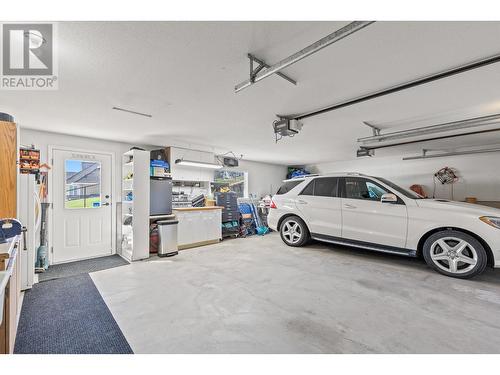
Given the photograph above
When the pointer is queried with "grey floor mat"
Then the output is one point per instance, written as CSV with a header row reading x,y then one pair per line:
x,y
68,316
81,267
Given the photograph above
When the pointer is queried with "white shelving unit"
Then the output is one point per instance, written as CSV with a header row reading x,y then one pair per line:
x,y
135,205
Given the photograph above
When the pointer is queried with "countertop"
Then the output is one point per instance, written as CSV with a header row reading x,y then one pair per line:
x,y
207,208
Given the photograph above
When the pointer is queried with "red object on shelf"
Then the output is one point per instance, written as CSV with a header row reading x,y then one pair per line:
x,y
154,239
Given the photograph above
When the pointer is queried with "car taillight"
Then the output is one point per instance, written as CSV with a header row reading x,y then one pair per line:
x,y
273,205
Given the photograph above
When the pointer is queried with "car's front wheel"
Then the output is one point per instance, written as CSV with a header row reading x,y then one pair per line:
x,y
294,231
456,254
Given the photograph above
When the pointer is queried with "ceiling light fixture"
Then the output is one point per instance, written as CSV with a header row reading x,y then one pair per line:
x,y
132,112
199,164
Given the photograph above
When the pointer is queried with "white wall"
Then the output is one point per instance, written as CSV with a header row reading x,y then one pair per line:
x,y
42,140
263,178
479,176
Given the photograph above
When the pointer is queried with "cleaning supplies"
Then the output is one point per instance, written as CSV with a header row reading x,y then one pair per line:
x,y
42,258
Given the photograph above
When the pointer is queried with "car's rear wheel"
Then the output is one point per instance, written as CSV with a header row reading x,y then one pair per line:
x,y
294,231
456,254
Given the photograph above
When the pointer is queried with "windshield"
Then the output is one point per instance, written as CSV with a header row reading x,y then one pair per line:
x,y
407,193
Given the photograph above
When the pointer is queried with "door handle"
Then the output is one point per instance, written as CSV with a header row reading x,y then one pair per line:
x,y
25,246
300,201
347,205
105,204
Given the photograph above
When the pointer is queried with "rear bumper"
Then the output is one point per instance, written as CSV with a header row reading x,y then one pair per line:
x,y
272,220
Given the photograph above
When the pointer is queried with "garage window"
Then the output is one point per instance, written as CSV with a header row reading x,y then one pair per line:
x,y
235,181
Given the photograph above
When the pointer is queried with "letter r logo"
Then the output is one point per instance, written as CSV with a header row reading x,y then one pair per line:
x,y
27,49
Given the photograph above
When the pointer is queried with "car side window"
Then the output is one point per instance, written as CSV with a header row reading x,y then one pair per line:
x,y
326,187
309,189
362,188
322,187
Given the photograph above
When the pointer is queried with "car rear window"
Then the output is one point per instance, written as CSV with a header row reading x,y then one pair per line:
x,y
287,186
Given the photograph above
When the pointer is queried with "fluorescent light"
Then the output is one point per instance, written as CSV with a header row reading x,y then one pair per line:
x,y
199,164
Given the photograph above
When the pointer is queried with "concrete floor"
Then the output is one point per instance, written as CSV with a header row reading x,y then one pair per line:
x,y
256,295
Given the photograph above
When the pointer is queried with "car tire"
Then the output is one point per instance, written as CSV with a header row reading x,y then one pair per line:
x,y
454,253
294,231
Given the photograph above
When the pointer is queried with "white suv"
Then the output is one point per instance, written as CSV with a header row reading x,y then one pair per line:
x,y
456,239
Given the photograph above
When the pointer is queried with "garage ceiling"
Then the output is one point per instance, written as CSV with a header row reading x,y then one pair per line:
x,y
183,73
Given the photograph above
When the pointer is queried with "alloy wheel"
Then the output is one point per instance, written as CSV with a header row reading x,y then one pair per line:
x,y
453,255
292,231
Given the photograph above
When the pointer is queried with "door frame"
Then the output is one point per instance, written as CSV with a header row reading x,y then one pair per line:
x,y
50,157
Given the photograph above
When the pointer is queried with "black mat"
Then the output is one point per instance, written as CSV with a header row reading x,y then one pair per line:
x,y
68,316
82,266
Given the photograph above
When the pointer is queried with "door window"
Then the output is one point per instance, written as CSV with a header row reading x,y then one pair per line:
x,y
322,187
362,188
325,187
82,184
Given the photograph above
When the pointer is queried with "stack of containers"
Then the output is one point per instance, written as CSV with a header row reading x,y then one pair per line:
x,y
247,221
230,213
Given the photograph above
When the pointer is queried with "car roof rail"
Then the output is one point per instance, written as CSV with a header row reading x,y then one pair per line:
x,y
343,174
326,174
301,177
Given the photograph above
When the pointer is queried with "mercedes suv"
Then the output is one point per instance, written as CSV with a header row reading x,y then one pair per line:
x,y
456,239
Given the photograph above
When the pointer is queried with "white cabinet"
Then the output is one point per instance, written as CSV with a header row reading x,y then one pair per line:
x,y
213,223
198,226
185,173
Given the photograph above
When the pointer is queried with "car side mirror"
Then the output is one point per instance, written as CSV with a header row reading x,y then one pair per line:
x,y
389,198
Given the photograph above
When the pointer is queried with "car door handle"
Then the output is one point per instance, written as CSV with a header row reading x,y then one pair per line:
x,y
347,205
300,201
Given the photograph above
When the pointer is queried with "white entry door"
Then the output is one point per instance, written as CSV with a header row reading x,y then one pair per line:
x,y
81,205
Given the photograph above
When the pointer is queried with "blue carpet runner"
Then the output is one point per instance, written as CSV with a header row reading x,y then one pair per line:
x,y
68,316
